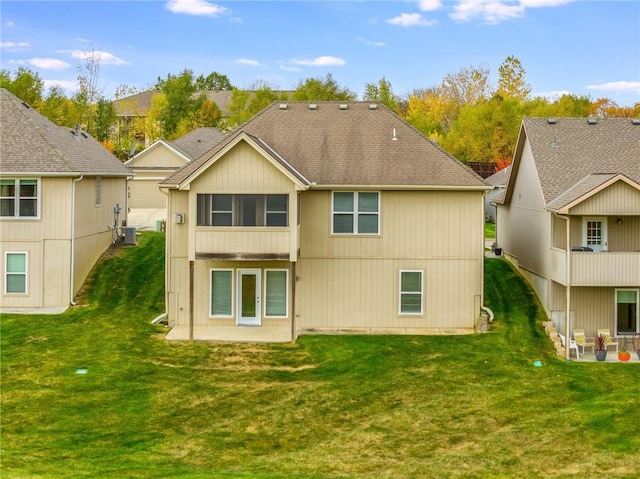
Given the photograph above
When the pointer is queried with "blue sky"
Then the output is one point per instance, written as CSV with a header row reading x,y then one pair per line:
x,y
566,46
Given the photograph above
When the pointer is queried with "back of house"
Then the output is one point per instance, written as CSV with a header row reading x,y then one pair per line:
x,y
327,217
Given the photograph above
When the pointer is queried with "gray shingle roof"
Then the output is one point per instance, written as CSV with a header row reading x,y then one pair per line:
x,y
197,142
353,145
30,143
573,154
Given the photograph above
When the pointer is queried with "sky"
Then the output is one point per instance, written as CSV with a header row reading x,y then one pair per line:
x,y
580,47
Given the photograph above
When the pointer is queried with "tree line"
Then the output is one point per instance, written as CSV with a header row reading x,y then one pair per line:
x,y
469,117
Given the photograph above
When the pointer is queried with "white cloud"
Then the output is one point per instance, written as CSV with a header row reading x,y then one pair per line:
x,y
48,63
9,24
496,11
410,20
370,43
14,45
288,68
617,86
552,95
67,85
429,5
196,7
246,61
322,61
105,58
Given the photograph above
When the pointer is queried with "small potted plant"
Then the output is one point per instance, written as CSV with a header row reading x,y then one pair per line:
x,y
624,355
600,348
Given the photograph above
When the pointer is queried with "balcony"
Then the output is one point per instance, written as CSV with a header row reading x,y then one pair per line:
x,y
246,243
620,269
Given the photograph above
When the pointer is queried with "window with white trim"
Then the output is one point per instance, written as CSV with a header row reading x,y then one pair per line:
x,y
19,198
276,293
355,212
411,292
627,311
243,210
221,292
15,273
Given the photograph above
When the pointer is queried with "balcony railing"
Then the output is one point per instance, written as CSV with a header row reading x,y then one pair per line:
x,y
605,269
245,243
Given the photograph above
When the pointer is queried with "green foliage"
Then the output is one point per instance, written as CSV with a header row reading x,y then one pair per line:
x,y
322,89
23,83
213,82
469,406
104,120
511,80
383,93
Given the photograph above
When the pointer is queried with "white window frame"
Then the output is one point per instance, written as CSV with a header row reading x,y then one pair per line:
x,y
420,293
615,312
14,273
211,313
286,293
16,198
355,213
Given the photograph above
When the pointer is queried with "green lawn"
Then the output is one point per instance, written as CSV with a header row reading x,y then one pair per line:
x,y
326,407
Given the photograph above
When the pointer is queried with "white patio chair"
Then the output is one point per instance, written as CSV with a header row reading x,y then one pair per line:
x,y
610,340
583,341
572,345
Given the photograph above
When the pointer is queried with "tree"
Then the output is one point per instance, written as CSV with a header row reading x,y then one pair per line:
x,y
105,119
318,89
23,83
383,93
511,80
213,82
58,108
244,104
179,91
88,91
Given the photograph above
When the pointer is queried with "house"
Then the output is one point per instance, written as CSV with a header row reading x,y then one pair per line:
x,y
499,182
158,161
570,220
324,217
132,110
62,197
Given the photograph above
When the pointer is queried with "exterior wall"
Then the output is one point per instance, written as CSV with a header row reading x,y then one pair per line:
x,y
177,260
150,167
93,234
524,227
47,242
351,282
618,199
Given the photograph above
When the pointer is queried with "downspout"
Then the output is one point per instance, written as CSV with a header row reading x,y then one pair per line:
x,y
567,313
482,305
73,238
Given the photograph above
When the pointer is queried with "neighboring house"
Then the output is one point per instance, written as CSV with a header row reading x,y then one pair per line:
x,y
499,182
131,110
570,219
324,217
162,159
59,193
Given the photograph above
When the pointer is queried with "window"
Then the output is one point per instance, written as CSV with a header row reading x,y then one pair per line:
x,y
98,190
243,210
15,276
410,292
356,213
627,311
19,198
221,292
276,293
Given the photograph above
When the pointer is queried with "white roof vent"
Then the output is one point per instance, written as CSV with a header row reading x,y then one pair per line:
x,y
373,106
313,106
592,120
343,106
551,121
283,106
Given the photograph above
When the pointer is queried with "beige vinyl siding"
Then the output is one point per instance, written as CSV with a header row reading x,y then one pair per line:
x,y
92,232
177,266
617,199
158,156
144,191
422,224
343,294
593,308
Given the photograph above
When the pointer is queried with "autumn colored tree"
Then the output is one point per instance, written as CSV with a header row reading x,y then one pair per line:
x,y
23,83
511,80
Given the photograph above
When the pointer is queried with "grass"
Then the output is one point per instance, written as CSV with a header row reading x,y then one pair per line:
x,y
324,407
489,230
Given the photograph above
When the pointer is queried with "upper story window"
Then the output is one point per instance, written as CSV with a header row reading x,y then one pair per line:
x,y
243,210
356,213
19,198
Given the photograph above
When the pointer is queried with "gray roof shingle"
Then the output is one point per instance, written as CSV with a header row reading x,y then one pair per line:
x,y
198,141
30,143
347,143
574,155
